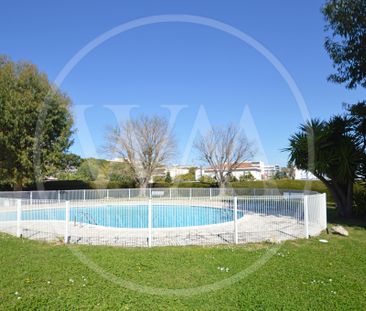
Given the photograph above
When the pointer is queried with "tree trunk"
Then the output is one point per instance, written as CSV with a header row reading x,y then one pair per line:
x,y
222,188
143,186
342,195
349,201
18,186
221,181
142,191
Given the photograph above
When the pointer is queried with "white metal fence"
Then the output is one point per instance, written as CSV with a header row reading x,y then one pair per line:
x,y
159,217
93,194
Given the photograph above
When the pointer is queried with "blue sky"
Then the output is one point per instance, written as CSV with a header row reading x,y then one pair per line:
x,y
182,65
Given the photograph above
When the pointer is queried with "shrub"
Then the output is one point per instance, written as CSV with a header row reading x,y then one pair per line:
x,y
184,177
118,184
88,170
195,185
158,179
168,178
61,185
314,185
246,177
207,180
5,187
121,181
232,178
124,181
160,184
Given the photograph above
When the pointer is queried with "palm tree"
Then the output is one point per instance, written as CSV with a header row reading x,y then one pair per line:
x,y
331,152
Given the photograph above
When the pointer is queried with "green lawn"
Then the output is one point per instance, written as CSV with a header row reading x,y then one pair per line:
x,y
302,275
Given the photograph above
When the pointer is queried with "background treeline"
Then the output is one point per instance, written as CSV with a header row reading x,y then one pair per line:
x,y
93,173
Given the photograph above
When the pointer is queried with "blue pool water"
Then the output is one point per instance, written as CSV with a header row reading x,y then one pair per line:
x,y
133,216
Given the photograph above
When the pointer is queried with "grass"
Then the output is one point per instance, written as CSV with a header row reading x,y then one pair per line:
x,y
302,275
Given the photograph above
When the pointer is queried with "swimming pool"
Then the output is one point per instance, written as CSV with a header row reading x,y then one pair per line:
x,y
133,216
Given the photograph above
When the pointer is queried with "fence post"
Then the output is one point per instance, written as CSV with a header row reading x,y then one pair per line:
x,y
324,206
170,192
58,196
190,193
67,222
129,193
19,218
210,193
31,198
84,195
236,220
150,192
149,223
107,193
306,217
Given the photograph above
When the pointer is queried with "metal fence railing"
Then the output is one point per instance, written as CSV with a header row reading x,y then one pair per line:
x,y
167,216
93,194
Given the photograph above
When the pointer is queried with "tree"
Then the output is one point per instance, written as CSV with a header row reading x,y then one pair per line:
x,y
192,171
145,142
122,180
190,176
223,149
330,150
32,142
70,161
168,178
289,171
69,166
346,45
279,175
120,173
357,115
89,170
232,178
208,180
247,177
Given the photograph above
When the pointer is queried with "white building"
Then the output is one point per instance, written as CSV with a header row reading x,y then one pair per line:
x,y
255,168
270,171
174,171
177,170
304,175
119,160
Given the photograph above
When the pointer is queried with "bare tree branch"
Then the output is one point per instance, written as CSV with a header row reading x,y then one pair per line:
x,y
223,149
146,144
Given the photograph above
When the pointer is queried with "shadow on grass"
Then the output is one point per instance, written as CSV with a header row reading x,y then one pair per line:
x,y
334,218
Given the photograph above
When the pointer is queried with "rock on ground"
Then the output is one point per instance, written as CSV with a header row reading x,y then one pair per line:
x,y
340,230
